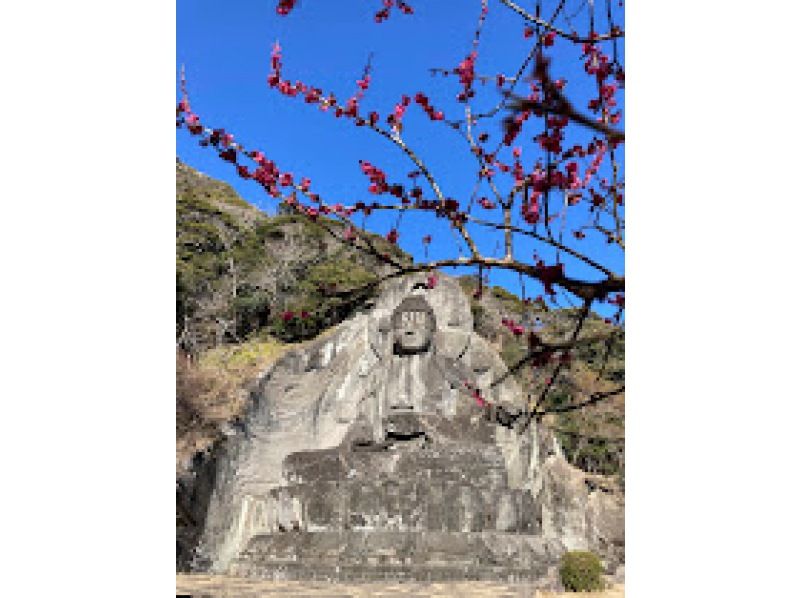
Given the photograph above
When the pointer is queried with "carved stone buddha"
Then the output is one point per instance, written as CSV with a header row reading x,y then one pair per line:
x,y
363,458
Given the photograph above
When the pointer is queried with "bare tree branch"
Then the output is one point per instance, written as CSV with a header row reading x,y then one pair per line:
x,y
560,105
570,36
593,399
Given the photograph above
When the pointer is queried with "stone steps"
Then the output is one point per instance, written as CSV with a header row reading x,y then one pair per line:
x,y
384,555
398,505
479,465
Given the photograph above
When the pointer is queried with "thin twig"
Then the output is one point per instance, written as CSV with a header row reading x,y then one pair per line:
x,y
570,36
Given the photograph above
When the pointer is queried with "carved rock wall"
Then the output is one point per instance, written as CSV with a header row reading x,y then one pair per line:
x,y
361,458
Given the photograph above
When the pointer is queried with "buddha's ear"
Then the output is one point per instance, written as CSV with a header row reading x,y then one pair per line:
x,y
385,325
380,336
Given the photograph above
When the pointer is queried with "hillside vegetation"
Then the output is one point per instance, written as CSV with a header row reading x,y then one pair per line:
x,y
239,271
592,437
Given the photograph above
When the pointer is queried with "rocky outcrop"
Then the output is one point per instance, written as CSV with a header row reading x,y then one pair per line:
x,y
362,456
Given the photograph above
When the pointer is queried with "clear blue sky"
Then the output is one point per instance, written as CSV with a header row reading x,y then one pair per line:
x,y
225,47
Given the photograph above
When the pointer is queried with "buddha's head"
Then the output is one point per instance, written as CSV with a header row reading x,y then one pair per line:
x,y
413,324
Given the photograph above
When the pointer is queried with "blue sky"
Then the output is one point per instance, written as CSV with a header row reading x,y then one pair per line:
x,y
225,48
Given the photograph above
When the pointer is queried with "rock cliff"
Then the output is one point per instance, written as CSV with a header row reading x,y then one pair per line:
x,y
362,456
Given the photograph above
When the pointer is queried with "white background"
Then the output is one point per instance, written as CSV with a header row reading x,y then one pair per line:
x,y
87,298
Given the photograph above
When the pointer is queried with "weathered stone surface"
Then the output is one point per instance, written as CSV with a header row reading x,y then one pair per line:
x,y
361,458
377,555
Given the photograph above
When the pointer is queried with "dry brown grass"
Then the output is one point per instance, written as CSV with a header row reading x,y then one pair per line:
x,y
220,586
213,390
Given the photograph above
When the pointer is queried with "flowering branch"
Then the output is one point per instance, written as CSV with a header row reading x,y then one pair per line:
x,y
556,104
614,33
563,176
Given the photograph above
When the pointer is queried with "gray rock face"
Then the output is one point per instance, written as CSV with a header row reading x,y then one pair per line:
x,y
362,457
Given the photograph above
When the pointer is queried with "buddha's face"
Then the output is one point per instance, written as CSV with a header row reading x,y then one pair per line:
x,y
413,324
412,333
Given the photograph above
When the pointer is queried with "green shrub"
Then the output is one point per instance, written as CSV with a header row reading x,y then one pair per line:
x,y
588,438
512,352
581,571
478,313
252,309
